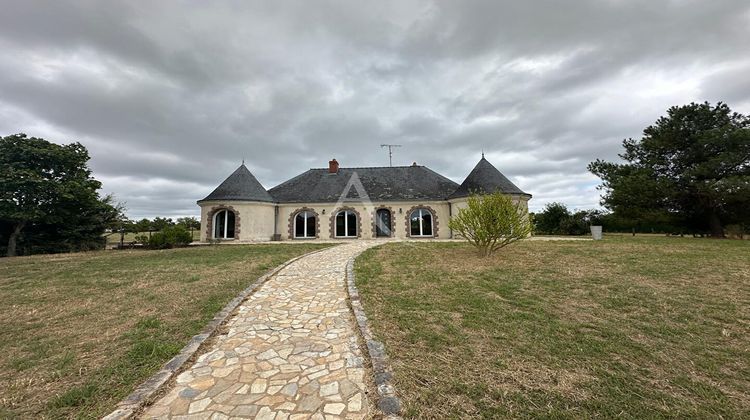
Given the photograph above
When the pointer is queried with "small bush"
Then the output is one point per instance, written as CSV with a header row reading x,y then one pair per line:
x,y
169,237
490,222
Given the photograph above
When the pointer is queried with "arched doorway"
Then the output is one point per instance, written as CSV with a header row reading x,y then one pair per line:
x,y
383,223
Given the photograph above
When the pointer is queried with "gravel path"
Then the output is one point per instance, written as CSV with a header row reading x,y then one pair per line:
x,y
291,352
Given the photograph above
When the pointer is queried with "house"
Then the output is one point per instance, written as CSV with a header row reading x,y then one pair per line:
x,y
345,203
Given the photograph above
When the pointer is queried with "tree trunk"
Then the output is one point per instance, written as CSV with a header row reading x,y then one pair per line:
x,y
13,237
714,223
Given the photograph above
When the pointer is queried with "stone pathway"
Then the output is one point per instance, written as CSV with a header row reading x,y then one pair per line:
x,y
291,352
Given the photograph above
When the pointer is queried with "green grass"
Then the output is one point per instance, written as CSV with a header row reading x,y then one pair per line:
x,y
625,327
80,331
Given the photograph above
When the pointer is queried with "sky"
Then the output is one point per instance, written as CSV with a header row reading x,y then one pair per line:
x,y
169,97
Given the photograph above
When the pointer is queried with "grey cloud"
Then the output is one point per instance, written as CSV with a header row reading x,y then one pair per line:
x,y
169,97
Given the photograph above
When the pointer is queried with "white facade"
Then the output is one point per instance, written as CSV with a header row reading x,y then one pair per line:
x,y
258,221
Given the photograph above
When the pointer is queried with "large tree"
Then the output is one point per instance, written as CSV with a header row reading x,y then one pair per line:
x,y
690,167
47,194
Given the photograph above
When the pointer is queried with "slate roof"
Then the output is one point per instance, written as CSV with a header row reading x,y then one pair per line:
x,y
380,183
240,185
485,178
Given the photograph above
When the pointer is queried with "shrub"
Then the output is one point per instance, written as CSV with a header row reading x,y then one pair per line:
x,y
549,221
556,219
491,221
169,237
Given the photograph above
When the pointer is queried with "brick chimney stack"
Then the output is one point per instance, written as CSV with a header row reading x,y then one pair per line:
x,y
333,167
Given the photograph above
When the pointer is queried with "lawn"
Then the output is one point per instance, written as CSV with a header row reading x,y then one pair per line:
x,y
80,331
625,327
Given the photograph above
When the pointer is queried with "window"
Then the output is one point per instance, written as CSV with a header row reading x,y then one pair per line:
x,y
421,222
304,225
346,224
224,224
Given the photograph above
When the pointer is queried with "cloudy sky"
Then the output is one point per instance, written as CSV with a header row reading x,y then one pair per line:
x,y
170,96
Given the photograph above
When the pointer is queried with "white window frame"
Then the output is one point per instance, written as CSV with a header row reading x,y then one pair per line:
x,y
346,224
421,223
305,217
226,224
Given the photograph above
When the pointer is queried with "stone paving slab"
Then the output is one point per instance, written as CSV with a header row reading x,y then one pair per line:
x,y
291,352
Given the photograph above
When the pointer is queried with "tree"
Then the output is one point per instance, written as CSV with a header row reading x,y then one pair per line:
x,y
48,196
577,223
159,223
691,168
492,221
556,219
190,223
143,225
551,218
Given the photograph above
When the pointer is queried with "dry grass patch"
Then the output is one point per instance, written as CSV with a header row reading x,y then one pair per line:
x,y
80,331
626,327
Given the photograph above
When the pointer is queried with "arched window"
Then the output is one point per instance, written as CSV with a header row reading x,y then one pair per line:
x,y
421,222
224,224
346,224
304,225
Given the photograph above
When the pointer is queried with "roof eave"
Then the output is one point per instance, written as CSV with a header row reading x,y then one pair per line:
x,y
244,200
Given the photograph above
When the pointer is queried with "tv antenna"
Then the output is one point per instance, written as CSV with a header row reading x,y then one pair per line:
x,y
390,152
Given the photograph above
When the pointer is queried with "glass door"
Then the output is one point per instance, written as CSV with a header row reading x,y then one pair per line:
x,y
383,223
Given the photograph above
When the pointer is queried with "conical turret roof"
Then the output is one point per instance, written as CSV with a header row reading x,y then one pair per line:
x,y
485,179
240,185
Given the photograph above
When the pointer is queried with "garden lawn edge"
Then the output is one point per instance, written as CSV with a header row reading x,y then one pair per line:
x,y
388,402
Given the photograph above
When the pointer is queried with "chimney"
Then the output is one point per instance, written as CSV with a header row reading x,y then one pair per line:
x,y
333,167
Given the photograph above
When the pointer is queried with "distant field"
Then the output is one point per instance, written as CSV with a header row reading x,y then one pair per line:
x,y
80,331
114,238
644,327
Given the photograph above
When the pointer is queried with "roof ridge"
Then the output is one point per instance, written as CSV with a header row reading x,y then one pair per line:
x,y
440,175
290,179
382,183
371,167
